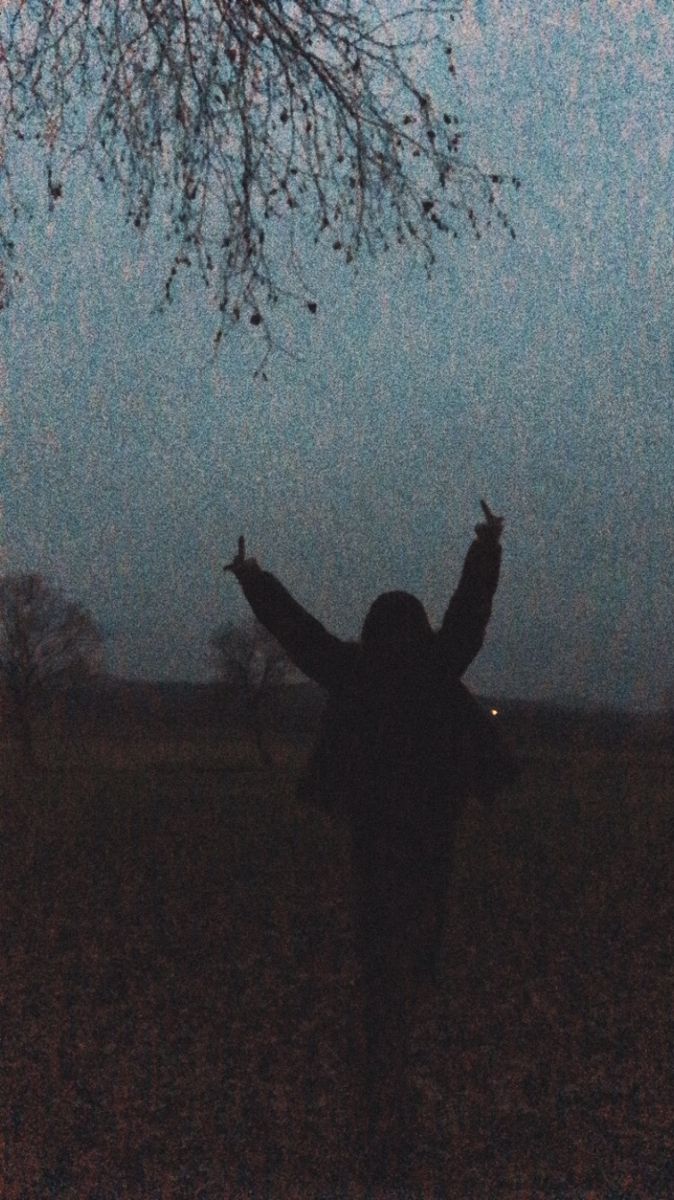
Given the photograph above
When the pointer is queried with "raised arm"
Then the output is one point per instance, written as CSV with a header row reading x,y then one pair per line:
x,y
319,654
463,628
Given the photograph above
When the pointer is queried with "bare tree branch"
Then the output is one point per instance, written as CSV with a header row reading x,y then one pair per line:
x,y
300,116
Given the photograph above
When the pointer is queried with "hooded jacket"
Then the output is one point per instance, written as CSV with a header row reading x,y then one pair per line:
x,y
400,730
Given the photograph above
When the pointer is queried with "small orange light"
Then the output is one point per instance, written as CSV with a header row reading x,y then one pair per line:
x,y
494,712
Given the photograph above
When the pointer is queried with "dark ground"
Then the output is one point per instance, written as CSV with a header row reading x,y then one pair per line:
x,y
180,1005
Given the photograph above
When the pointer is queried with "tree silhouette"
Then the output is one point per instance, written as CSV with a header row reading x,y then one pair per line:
x,y
47,643
252,664
266,126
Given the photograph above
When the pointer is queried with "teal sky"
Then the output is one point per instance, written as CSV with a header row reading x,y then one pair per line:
x,y
538,373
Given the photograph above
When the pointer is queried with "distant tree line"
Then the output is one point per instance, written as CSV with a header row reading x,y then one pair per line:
x,y
50,644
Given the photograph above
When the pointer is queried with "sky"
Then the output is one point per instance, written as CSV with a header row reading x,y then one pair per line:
x,y
537,373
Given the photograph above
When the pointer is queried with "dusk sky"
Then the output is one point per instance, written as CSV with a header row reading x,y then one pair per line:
x,y
538,373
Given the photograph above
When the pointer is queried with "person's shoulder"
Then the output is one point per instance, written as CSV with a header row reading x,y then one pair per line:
x,y
347,677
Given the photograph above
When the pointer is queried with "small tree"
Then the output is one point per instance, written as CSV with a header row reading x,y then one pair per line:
x,y
47,643
250,661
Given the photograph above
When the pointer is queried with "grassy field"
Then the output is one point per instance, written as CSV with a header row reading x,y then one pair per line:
x,y
180,1011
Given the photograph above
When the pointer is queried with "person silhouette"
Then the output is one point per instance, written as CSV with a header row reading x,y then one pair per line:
x,y
402,744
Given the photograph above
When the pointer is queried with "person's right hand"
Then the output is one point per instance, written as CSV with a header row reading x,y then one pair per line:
x,y
240,565
492,526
